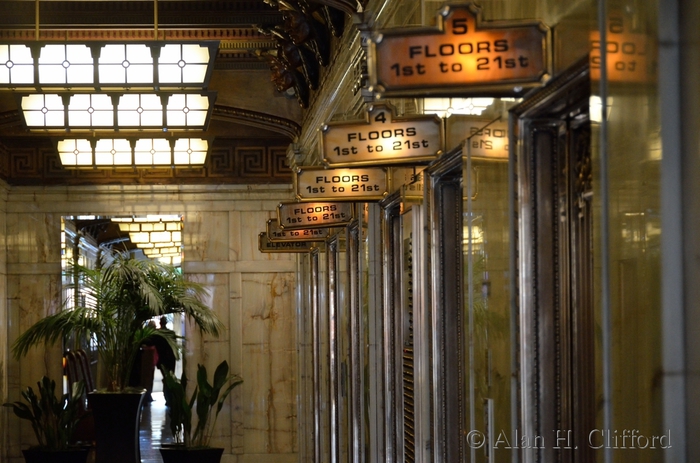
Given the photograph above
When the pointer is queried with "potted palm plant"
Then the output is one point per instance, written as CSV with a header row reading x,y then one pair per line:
x,y
192,445
121,294
54,421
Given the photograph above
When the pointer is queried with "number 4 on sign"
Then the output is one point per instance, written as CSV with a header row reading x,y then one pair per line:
x,y
382,139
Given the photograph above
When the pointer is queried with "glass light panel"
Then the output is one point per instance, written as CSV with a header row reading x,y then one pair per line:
x,y
167,244
140,237
161,237
152,152
174,261
119,65
43,111
167,250
125,64
153,226
65,64
129,227
113,152
75,153
90,110
183,63
163,244
140,110
187,110
163,218
16,65
190,151
162,255
445,107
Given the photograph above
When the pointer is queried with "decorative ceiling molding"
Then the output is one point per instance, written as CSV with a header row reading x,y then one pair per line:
x,y
260,120
171,14
231,38
10,119
237,46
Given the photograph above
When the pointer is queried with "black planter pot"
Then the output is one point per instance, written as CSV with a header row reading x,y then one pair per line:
x,y
117,416
182,454
78,455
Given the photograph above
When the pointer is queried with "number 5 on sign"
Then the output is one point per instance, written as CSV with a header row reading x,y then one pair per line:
x,y
464,55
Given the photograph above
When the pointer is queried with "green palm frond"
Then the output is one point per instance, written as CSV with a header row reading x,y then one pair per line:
x,y
120,297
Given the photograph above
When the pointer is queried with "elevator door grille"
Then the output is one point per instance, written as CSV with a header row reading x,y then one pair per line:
x,y
407,360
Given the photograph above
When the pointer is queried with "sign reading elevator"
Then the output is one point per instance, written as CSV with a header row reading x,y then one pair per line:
x,y
463,54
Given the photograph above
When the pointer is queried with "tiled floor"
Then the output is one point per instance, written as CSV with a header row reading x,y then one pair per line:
x,y
154,429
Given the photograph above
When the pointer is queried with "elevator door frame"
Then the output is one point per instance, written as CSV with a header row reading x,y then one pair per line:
x,y
553,284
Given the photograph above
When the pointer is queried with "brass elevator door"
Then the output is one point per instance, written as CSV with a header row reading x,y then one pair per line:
x,y
555,270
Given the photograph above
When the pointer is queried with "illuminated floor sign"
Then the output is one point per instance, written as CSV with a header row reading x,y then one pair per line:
x,y
382,139
314,215
275,233
464,55
265,245
361,184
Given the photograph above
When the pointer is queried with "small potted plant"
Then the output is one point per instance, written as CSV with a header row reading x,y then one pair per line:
x,y
192,445
54,421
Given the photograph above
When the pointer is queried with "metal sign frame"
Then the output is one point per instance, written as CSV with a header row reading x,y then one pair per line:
x,y
296,215
275,233
382,138
387,46
342,184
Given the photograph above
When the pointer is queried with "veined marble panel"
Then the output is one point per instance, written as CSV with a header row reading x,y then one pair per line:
x,y
270,374
206,235
136,199
33,238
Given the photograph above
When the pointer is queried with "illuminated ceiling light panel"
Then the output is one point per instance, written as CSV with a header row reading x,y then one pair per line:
x,y
76,154
150,218
98,65
150,226
108,153
113,152
445,107
174,261
158,239
164,244
190,151
161,111
163,251
152,152
16,65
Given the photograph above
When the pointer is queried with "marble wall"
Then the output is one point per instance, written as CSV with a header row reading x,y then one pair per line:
x,y
253,293
4,415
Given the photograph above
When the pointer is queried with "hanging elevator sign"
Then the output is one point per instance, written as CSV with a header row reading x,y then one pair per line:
x,y
275,233
265,245
382,139
360,184
464,55
314,215
486,139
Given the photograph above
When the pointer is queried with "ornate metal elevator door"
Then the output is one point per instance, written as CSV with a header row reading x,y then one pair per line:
x,y
555,270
